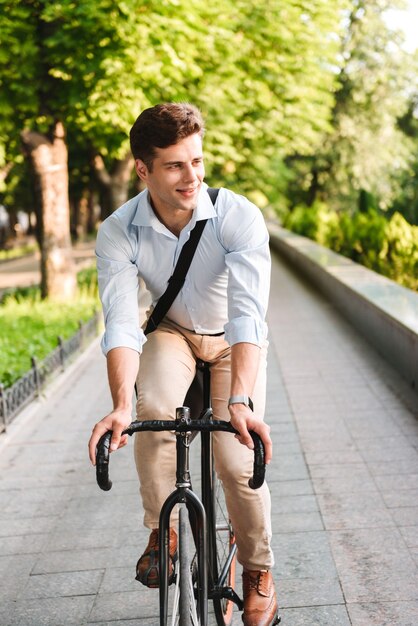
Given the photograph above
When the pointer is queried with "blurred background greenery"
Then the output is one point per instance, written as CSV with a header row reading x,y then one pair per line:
x,y
311,109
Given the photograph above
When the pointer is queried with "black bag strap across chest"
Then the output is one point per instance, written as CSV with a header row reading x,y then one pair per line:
x,y
176,281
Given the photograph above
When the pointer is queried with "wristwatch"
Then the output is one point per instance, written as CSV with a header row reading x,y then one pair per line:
x,y
241,400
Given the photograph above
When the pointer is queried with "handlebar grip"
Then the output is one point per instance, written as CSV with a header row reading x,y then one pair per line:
x,y
102,462
259,467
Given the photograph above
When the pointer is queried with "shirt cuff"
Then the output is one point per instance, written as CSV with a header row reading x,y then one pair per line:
x,y
123,339
246,330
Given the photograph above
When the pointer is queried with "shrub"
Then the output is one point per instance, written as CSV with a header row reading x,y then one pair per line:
x,y
367,237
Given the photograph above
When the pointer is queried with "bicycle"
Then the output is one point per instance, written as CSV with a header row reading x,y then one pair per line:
x,y
210,572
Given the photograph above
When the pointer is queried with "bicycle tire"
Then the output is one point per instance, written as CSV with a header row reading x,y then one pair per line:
x,y
187,572
222,543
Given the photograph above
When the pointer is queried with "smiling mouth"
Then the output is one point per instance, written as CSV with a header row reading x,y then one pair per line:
x,y
188,191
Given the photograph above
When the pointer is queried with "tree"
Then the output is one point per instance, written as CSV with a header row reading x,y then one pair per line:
x,y
263,74
365,149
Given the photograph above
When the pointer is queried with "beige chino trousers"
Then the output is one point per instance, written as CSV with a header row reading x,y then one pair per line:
x,y
167,368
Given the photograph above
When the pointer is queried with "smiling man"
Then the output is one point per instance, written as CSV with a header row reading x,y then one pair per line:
x,y
218,316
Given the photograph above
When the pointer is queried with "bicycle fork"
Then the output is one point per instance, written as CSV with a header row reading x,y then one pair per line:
x,y
183,494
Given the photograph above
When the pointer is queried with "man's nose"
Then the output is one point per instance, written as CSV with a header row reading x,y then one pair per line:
x,y
189,173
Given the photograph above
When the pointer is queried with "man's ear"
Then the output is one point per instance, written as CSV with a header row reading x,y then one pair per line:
x,y
141,169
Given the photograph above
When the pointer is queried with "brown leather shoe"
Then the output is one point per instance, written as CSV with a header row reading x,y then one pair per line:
x,y
147,566
260,602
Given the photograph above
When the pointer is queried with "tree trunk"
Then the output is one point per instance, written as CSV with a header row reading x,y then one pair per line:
x,y
49,163
115,184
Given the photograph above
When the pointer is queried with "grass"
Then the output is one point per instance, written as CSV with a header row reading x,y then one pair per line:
x,y
30,326
15,253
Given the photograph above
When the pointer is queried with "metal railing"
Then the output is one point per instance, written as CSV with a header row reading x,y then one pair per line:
x,y
30,385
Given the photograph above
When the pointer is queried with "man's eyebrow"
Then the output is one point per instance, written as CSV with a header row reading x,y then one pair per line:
x,y
197,158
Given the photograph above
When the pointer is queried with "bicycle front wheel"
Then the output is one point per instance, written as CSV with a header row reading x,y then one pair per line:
x,y
223,556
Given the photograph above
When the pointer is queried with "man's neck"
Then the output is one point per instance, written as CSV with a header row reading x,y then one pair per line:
x,y
176,221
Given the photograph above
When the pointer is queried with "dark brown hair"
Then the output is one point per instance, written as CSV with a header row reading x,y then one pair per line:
x,y
161,126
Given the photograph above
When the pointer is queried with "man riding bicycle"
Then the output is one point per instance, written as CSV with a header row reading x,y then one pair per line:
x,y
218,317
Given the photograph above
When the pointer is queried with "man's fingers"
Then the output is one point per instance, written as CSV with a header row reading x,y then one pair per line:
x,y
115,441
268,449
244,437
98,431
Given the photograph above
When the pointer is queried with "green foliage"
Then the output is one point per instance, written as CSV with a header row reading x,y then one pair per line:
x,y
30,326
365,150
389,247
263,74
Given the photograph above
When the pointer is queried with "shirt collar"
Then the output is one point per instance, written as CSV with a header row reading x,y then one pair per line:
x,y
145,216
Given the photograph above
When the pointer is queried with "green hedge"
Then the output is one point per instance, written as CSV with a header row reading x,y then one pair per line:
x,y
389,247
29,326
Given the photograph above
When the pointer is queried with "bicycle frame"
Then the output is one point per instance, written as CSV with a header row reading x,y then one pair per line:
x,y
186,429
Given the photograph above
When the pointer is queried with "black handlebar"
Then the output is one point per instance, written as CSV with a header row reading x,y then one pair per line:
x,y
206,425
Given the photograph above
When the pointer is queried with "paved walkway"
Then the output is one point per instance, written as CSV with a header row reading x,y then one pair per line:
x,y
25,271
344,484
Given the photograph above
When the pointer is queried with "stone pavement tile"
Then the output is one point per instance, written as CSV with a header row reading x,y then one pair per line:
x,y
296,522
23,544
8,613
280,449
324,443
414,553
104,502
405,413
397,499
376,426
330,457
287,467
347,484
397,481
61,584
26,526
331,615
284,431
295,504
118,579
115,519
14,573
87,538
70,611
340,470
303,555
304,592
355,399
357,510
401,466
374,565
58,475
386,449
146,621
384,614
413,440
292,488
72,560
314,423
125,605
45,453
410,535
37,502
405,516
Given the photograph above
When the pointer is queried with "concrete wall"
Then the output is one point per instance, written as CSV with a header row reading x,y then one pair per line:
x,y
384,312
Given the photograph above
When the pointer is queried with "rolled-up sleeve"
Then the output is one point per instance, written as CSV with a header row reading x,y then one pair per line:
x,y
248,262
118,286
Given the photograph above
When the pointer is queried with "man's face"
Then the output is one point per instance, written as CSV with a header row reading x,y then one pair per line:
x,y
176,175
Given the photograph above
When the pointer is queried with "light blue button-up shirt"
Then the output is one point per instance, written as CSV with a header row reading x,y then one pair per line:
x,y
226,287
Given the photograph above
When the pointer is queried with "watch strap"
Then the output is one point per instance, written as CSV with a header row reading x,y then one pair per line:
x,y
241,400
